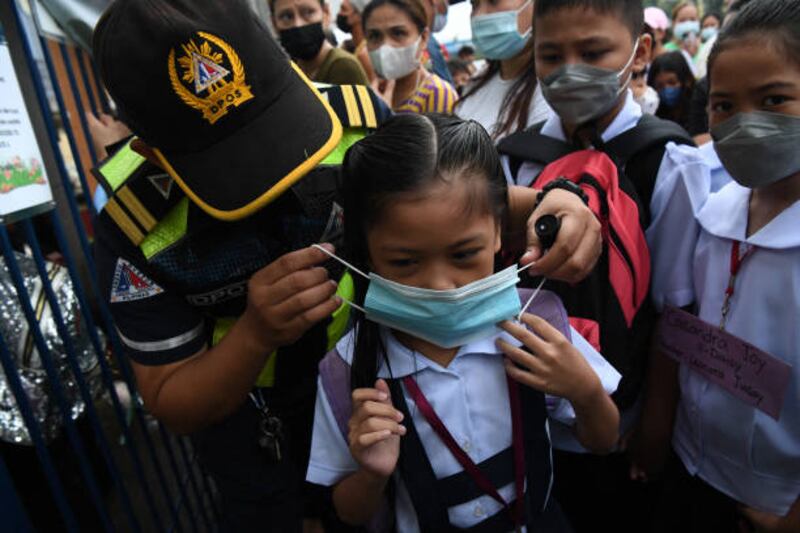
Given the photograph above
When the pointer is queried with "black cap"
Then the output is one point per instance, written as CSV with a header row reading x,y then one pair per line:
x,y
203,82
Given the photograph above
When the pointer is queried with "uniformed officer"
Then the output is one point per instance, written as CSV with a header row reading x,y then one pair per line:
x,y
203,246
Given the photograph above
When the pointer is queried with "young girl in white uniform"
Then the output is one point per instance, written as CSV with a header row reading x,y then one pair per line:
x,y
735,256
437,414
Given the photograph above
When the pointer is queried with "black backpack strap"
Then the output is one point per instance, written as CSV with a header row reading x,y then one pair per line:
x,y
532,145
650,132
417,472
640,150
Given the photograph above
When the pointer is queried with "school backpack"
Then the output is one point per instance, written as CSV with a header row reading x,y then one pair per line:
x,y
637,152
432,497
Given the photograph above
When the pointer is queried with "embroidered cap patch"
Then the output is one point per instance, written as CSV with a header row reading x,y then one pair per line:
x,y
130,284
211,78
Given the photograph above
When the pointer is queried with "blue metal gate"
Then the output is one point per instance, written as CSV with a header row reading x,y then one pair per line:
x,y
98,461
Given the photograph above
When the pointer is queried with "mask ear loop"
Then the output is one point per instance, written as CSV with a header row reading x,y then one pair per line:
x,y
349,266
533,296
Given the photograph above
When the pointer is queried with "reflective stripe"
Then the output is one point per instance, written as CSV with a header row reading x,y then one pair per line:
x,y
168,231
266,378
340,319
353,116
136,208
120,166
366,104
125,223
164,345
349,138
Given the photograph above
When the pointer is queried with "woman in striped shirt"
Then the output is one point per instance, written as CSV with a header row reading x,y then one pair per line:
x,y
397,37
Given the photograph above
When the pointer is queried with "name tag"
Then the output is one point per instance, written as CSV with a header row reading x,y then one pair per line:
x,y
752,375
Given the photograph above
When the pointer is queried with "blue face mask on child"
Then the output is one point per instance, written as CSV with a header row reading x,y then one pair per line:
x,y
670,96
446,318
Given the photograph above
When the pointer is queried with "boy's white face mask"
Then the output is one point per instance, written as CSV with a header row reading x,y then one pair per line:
x,y
580,93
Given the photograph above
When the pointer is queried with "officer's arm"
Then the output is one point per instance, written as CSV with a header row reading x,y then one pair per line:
x,y
579,242
285,299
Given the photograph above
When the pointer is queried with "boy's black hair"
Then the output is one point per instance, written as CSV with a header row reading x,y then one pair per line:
x,y
630,12
775,21
457,65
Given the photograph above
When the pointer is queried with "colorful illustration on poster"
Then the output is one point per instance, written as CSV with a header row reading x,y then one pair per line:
x,y
24,187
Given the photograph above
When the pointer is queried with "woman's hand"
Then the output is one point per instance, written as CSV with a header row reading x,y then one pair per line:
x,y
375,430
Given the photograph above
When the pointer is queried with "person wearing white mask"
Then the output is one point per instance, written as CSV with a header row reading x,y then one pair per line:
x,y
397,35
506,97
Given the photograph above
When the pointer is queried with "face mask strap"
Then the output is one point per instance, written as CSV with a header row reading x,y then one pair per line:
x,y
349,266
520,10
628,64
530,300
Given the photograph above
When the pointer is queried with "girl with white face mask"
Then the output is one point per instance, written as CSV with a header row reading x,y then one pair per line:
x,y
397,37
505,97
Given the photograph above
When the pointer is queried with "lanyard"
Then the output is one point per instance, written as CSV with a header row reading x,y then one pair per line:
x,y
480,479
737,260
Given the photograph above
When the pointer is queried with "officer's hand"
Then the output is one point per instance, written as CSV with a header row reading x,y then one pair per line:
x,y
289,296
578,245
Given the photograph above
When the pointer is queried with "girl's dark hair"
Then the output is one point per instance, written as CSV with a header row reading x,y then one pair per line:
x,y
407,154
774,21
674,62
517,101
413,8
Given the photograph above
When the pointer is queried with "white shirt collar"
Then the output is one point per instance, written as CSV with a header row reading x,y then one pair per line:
x,y
405,362
627,118
726,212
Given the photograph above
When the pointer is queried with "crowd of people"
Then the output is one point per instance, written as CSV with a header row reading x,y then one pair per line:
x,y
548,285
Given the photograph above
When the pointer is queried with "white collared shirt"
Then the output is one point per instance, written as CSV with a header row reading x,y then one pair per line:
x,y
734,447
471,398
627,118
719,176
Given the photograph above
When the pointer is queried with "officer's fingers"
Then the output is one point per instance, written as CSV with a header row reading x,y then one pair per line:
x,y
585,257
307,300
292,262
310,317
291,285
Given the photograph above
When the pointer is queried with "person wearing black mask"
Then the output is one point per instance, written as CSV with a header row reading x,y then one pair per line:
x,y
301,24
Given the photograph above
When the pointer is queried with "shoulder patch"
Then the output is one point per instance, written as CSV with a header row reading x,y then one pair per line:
x,y
129,284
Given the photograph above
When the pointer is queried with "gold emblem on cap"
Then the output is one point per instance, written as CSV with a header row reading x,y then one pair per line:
x,y
202,68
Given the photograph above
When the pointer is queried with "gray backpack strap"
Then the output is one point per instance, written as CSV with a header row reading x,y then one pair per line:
x,y
334,374
549,307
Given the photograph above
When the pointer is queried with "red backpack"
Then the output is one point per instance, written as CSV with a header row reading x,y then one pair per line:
x,y
611,307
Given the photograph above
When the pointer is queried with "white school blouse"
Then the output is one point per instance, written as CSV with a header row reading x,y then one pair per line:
x,y
734,447
471,398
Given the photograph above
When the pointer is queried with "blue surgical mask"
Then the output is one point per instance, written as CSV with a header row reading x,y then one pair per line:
x,y
686,28
439,22
496,35
708,33
670,96
446,318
